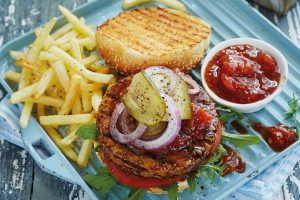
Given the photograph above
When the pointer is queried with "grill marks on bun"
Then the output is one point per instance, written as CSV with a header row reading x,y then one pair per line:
x,y
137,39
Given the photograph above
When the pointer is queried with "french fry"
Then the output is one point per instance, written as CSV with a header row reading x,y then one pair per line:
x,y
77,109
99,68
25,115
91,87
96,77
12,75
56,90
16,54
22,62
56,137
85,152
38,31
75,48
62,74
175,4
65,38
112,82
49,40
44,55
46,100
43,84
86,102
38,44
57,72
86,99
25,78
54,120
66,47
62,31
90,60
96,99
67,141
72,72
40,110
22,94
77,24
71,95
88,43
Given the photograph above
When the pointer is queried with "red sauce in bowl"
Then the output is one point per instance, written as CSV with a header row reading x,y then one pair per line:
x,y
242,74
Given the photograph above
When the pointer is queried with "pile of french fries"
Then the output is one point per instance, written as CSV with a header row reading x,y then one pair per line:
x,y
60,72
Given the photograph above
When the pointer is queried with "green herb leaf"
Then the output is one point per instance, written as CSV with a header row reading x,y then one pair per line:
x,y
222,150
292,113
97,148
294,106
230,114
192,181
103,170
87,131
213,166
297,131
240,140
172,191
136,194
102,181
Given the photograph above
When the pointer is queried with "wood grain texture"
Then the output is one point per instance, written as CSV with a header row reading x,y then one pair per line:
x,y
46,186
16,172
20,178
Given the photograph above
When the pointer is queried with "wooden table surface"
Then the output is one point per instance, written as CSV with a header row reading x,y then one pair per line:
x,y
20,177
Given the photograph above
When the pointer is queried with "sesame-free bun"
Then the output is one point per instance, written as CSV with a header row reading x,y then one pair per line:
x,y
153,36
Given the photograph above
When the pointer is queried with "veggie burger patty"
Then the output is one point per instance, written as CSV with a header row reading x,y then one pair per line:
x,y
197,141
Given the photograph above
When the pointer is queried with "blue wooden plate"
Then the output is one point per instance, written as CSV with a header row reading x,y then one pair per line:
x,y
229,19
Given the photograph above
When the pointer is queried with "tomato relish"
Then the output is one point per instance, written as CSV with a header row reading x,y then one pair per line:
x,y
242,74
233,161
279,137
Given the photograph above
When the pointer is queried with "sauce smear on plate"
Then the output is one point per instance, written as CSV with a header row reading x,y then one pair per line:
x,y
233,161
242,74
279,137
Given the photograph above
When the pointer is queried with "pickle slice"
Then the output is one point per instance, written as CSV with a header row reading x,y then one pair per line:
x,y
180,95
143,102
182,100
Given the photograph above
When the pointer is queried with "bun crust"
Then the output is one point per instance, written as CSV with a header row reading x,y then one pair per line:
x,y
137,39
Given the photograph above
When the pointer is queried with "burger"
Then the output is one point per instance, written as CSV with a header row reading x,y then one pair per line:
x,y
155,128
157,125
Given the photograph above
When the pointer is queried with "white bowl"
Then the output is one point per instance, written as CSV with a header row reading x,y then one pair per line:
x,y
251,107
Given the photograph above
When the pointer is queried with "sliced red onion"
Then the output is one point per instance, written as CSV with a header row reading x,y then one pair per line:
x,y
117,135
171,132
124,119
190,82
174,79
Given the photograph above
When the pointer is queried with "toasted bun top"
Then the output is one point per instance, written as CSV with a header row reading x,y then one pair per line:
x,y
145,37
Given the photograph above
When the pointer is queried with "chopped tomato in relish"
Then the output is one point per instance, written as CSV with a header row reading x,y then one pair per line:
x,y
233,161
242,74
279,137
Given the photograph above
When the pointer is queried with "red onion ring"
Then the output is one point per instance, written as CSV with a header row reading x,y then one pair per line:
x,y
166,71
191,82
171,132
117,135
124,119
